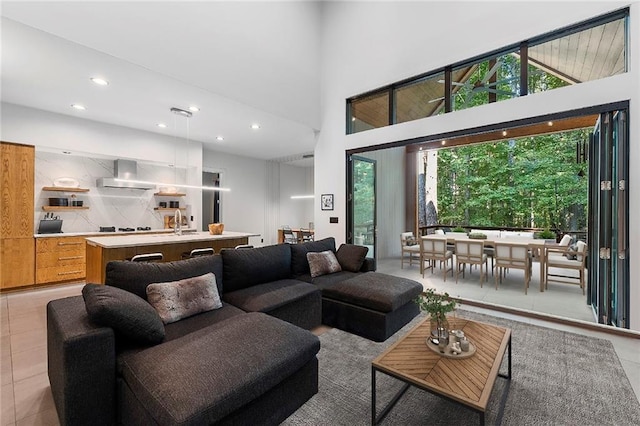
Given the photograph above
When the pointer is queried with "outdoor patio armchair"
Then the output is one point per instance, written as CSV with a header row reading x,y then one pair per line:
x,y
410,247
566,260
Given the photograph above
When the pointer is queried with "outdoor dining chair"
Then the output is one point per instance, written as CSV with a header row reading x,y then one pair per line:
x,y
434,249
512,256
471,252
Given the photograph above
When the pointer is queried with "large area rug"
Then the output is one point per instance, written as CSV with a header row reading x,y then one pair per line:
x,y
558,378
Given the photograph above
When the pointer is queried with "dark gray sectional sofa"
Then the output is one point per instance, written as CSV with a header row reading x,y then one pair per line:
x,y
252,361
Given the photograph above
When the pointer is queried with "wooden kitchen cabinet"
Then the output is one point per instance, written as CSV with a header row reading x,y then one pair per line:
x,y
17,163
60,259
18,264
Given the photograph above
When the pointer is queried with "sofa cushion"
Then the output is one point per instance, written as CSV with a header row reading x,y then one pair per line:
x,y
269,296
208,374
197,322
374,290
249,267
175,300
136,276
322,263
351,256
129,315
299,262
324,281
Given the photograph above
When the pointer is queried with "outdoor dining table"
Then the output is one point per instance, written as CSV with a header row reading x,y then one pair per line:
x,y
532,244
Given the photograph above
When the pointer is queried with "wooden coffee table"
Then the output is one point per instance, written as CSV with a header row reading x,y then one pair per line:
x,y
466,381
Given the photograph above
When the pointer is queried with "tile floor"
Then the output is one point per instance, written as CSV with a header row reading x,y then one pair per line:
x,y
25,393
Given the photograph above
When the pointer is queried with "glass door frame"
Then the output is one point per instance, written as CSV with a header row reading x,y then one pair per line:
x,y
608,285
350,237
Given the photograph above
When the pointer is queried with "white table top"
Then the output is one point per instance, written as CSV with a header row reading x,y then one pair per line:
x,y
162,239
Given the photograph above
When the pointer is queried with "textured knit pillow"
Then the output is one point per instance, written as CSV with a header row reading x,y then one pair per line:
x,y
129,315
175,300
351,256
322,263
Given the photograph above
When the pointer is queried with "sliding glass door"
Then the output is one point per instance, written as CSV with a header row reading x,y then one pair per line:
x,y
608,233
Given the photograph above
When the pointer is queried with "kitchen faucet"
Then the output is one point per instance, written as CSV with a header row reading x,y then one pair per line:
x,y
177,222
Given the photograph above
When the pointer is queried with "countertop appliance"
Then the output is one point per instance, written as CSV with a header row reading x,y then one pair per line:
x,y
126,229
107,229
143,228
50,226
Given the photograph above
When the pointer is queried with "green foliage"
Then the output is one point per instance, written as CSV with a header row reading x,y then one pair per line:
x,y
547,234
527,182
437,305
458,229
364,199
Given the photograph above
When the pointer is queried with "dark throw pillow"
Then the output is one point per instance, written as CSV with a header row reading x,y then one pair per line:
x,y
129,315
184,298
322,263
351,257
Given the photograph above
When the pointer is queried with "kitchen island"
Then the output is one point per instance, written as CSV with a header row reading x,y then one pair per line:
x,y
102,250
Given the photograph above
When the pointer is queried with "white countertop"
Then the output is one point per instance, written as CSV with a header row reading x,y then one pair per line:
x,y
161,239
110,234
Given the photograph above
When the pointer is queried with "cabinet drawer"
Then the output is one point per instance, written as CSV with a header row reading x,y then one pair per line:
x,y
59,244
60,273
60,258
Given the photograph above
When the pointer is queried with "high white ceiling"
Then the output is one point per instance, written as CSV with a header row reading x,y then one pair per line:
x,y
239,62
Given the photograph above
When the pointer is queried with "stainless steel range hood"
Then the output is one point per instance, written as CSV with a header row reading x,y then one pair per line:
x,y
123,169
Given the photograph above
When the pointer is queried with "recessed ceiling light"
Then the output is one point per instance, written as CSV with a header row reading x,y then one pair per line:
x,y
353,119
100,81
255,126
162,125
504,133
550,123
219,138
78,106
443,142
194,108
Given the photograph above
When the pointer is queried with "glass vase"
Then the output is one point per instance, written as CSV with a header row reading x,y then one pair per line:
x,y
440,329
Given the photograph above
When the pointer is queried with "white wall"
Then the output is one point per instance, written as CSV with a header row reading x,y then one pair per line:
x,y
244,208
415,39
296,213
56,133
259,200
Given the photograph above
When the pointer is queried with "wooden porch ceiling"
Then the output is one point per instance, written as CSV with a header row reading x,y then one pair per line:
x,y
542,128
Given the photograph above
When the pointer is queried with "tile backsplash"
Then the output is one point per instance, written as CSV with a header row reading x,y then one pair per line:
x,y
119,207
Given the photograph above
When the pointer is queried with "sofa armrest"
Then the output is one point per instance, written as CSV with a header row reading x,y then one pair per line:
x,y
82,364
369,265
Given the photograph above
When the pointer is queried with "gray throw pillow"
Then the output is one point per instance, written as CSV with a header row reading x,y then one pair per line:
x,y
129,315
351,257
176,300
571,254
322,263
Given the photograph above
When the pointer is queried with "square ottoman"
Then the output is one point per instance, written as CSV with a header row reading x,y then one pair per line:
x,y
371,305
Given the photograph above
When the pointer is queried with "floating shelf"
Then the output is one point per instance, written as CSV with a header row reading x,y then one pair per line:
x,y
170,194
166,209
64,189
62,208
